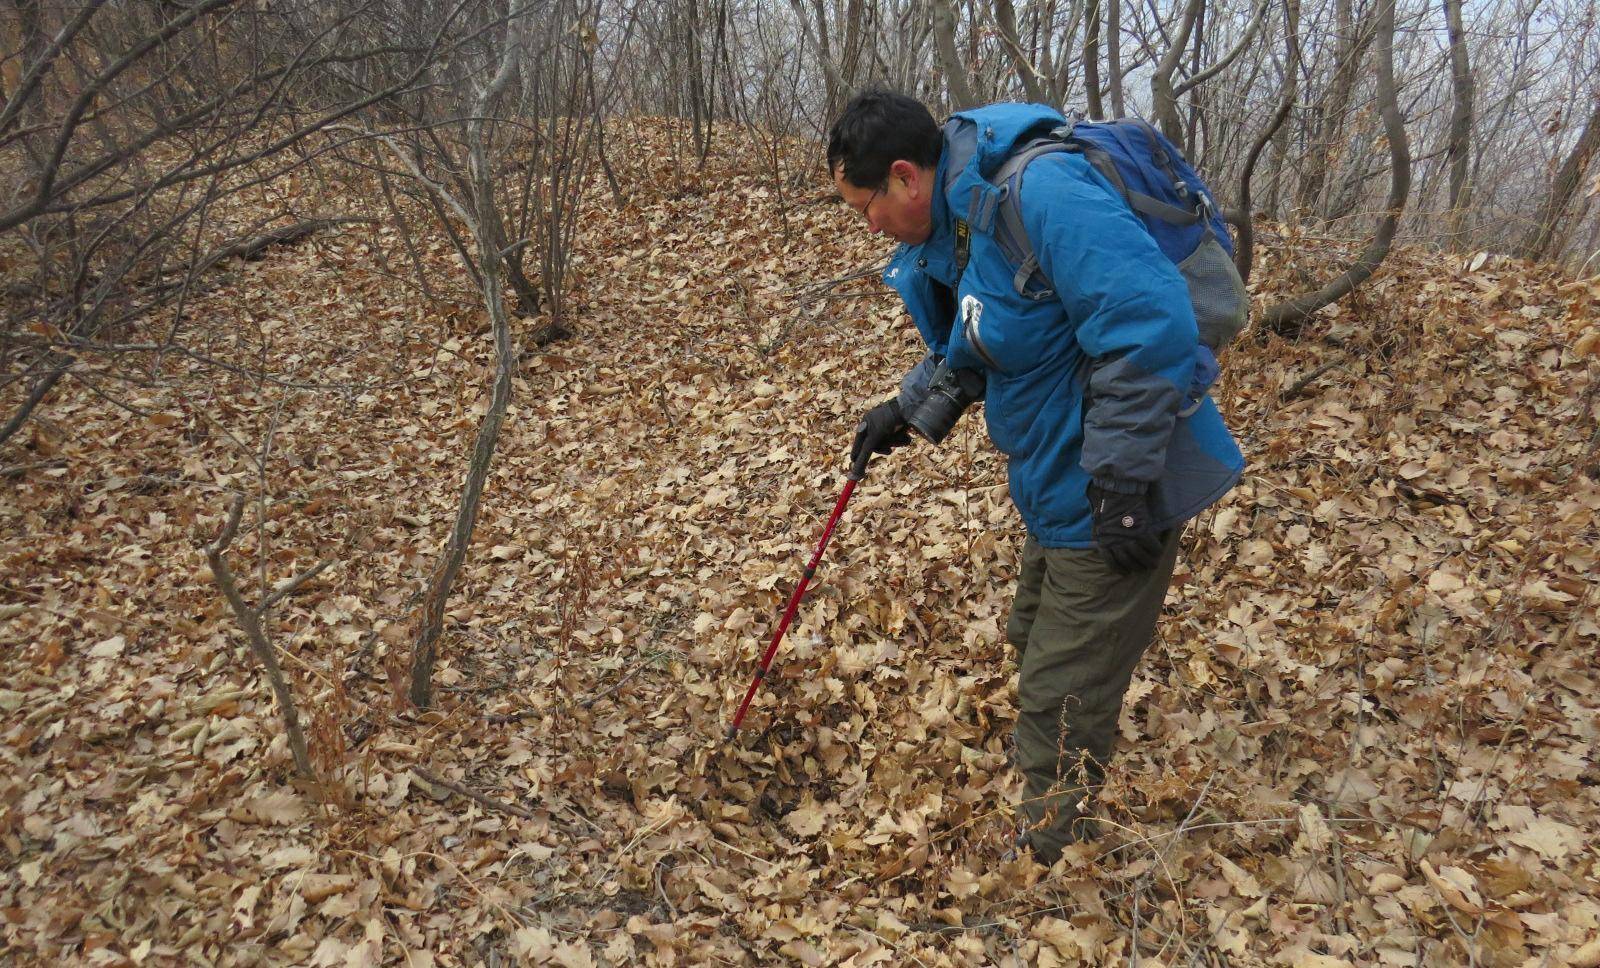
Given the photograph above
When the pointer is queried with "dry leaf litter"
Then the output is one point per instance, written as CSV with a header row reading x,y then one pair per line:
x,y
1365,735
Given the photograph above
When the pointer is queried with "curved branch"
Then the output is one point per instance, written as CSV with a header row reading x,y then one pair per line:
x,y
1293,312
1228,58
1244,248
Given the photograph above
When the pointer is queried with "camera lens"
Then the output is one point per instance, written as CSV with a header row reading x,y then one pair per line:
x,y
936,416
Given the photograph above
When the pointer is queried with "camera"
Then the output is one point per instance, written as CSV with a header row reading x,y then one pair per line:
x,y
950,392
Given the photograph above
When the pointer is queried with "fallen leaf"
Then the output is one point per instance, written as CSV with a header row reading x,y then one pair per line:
x,y
274,808
1456,886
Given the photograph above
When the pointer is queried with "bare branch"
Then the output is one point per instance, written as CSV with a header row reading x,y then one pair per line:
x,y
249,621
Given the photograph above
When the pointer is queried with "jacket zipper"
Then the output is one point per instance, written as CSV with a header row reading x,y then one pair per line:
x,y
970,328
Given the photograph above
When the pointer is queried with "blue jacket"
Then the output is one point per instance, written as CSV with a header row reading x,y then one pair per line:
x,y
1085,380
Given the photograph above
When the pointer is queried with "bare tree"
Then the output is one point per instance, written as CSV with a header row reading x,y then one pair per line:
x,y
1033,82
1542,238
503,164
484,216
1119,107
815,30
1326,122
1091,61
1163,95
1458,150
129,126
256,631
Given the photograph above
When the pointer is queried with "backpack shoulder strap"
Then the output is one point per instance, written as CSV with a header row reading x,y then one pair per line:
x,y
1013,236
960,144
1147,205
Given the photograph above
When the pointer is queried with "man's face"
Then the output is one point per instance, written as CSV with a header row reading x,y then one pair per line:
x,y
901,208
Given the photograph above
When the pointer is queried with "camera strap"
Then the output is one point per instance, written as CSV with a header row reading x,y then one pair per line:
x,y
963,249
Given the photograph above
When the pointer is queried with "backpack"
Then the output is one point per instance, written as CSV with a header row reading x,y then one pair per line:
x,y
1161,188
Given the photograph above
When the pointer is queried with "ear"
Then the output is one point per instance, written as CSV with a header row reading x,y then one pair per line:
x,y
906,172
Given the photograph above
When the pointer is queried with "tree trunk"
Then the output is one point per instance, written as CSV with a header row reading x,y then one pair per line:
x,y
426,647
1458,152
1119,109
1191,131
1328,116
1289,315
697,93
1539,242
1163,96
944,34
1005,17
836,88
1091,61
857,34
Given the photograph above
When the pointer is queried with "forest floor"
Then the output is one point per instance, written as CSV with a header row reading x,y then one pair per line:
x,y
1366,734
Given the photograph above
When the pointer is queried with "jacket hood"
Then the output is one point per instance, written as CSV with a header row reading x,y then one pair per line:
x,y
997,130
976,144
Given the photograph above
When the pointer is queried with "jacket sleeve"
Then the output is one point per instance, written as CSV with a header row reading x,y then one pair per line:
x,y
914,386
1131,313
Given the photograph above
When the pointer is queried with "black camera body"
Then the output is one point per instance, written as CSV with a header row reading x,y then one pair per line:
x,y
950,392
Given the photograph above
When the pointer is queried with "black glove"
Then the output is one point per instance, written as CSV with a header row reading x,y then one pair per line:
x,y
1122,530
880,431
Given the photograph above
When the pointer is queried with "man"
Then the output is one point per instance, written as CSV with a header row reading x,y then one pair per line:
x,y
1086,374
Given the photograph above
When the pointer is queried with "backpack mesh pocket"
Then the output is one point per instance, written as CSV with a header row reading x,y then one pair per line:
x,y
1221,305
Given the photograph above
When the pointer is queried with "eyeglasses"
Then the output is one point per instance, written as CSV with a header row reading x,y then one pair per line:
x,y
866,210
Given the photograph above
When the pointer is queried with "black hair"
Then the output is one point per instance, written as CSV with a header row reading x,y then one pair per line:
x,y
878,128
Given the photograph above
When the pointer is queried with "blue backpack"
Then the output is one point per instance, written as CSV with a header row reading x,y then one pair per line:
x,y
1157,183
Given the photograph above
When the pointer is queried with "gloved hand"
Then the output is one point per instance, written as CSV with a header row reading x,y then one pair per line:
x,y
1122,530
880,431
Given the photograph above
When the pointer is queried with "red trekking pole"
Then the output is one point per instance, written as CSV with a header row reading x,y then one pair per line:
x,y
857,472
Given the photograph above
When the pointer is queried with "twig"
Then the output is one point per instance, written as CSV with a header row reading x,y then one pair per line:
x,y
1305,381
17,470
250,620
666,411
285,589
662,889
589,703
474,795
1340,917
1184,826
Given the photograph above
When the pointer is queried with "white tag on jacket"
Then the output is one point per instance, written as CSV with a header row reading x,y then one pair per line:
x,y
971,311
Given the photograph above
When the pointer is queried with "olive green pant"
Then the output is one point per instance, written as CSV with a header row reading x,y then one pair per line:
x,y
1079,628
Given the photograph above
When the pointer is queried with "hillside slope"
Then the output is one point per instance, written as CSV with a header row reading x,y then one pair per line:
x,y
1366,736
